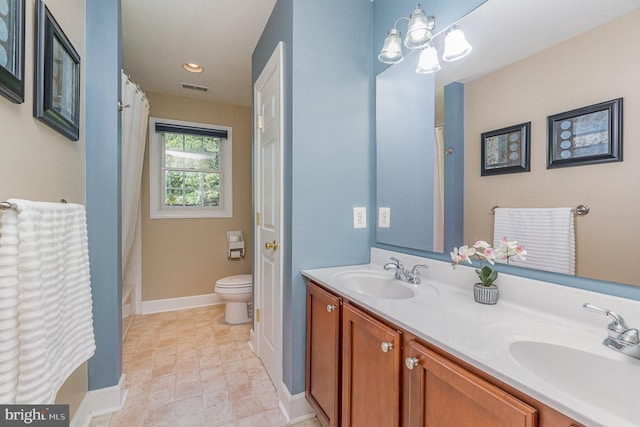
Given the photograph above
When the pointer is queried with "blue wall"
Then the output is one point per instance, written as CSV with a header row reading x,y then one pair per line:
x,y
328,147
103,67
404,142
332,148
454,165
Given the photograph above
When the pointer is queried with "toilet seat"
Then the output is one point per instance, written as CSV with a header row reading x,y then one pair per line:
x,y
235,282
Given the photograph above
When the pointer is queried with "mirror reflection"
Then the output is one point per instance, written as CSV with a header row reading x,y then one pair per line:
x,y
521,71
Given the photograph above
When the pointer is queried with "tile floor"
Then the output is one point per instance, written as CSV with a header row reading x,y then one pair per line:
x,y
188,369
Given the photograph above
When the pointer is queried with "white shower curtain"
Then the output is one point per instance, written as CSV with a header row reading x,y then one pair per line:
x,y
438,190
134,135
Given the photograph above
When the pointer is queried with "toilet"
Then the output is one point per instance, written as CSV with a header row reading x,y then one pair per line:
x,y
237,292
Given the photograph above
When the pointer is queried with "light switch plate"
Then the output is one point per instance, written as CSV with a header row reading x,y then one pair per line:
x,y
360,217
384,217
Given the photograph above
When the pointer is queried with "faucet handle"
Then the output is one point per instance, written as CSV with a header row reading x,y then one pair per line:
x,y
416,269
397,261
618,324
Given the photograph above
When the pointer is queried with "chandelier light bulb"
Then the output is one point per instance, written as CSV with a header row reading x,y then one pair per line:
x,y
456,45
391,52
428,61
419,29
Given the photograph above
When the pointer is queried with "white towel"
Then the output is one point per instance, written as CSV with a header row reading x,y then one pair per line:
x,y
46,320
547,235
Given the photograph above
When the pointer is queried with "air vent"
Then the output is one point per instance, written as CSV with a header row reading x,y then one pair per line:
x,y
194,87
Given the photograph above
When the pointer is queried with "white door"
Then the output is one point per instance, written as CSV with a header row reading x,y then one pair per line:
x,y
268,236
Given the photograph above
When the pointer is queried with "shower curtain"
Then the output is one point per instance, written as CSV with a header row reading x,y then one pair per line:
x,y
438,190
134,135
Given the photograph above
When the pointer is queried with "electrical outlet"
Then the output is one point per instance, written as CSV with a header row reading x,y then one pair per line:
x,y
360,217
384,217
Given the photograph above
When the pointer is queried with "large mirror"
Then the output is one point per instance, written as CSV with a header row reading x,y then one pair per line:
x,y
532,59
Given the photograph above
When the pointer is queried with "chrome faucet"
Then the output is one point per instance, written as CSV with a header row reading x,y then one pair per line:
x,y
411,276
621,337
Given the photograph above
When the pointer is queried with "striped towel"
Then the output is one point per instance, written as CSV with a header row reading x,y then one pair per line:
x,y
547,234
46,311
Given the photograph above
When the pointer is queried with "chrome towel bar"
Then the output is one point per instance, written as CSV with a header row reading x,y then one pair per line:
x,y
578,210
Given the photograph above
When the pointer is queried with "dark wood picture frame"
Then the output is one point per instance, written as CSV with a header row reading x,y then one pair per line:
x,y
57,76
12,49
587,135
506,150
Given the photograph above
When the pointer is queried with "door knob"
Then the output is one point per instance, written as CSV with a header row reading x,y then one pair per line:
x,y
386,346
271,245
411,362
330,307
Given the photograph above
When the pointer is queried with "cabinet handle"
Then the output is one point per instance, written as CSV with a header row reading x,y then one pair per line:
x,y
411,362
330,307
386,346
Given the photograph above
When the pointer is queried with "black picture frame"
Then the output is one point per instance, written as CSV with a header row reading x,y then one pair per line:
x,y
584,136
506,150
57,76
12,51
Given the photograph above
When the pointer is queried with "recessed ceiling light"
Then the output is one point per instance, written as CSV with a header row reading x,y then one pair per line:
x,y
193,67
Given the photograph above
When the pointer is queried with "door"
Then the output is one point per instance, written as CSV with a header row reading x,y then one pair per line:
x,y
442,393
268,236
322,385
370,371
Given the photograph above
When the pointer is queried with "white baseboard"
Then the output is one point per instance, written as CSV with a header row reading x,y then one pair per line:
x,y
82,417
294,408
181,303
108,399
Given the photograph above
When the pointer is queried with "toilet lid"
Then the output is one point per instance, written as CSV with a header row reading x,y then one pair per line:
x,y
239,280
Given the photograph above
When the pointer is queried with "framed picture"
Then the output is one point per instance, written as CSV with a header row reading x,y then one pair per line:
x,y
506,150
12,50
587,135
57,76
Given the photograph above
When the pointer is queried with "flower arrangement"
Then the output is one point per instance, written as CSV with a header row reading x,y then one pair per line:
x,y
482,251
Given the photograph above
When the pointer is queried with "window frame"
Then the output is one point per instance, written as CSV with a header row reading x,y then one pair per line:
x,y
157,187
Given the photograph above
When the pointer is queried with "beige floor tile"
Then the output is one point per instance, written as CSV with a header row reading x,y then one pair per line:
x,y
188,368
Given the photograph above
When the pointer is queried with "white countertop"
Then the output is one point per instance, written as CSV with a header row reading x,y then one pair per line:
x,y
594,385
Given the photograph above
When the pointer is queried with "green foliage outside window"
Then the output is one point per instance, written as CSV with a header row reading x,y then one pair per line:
x,y
192,170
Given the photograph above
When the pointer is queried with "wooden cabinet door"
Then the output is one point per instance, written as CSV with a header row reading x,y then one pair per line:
x,y
442,393
322,387
370,371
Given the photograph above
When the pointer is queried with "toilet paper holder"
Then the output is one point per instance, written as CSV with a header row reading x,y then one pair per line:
x,y
235,244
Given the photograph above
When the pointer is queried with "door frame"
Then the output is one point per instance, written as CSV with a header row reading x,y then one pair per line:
x,y
275,61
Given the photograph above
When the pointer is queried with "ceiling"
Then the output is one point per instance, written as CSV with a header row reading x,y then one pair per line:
x,y
158,36
505,31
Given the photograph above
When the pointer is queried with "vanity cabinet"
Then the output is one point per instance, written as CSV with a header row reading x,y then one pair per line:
x,y
442,393
363,371
322,387
371,353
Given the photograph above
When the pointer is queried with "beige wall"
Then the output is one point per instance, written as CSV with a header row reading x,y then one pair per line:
x,y
597,66
184,257
38,163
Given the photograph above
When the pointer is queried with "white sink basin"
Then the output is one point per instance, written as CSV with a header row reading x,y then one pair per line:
x,y
574,363
592,378
379,285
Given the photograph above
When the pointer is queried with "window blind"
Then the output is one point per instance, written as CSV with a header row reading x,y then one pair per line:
x,y
190,130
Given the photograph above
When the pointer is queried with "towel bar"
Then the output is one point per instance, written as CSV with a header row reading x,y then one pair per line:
x,y
578,210
7,205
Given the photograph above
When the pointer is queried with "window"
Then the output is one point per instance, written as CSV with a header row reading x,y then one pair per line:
x,y
190,170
